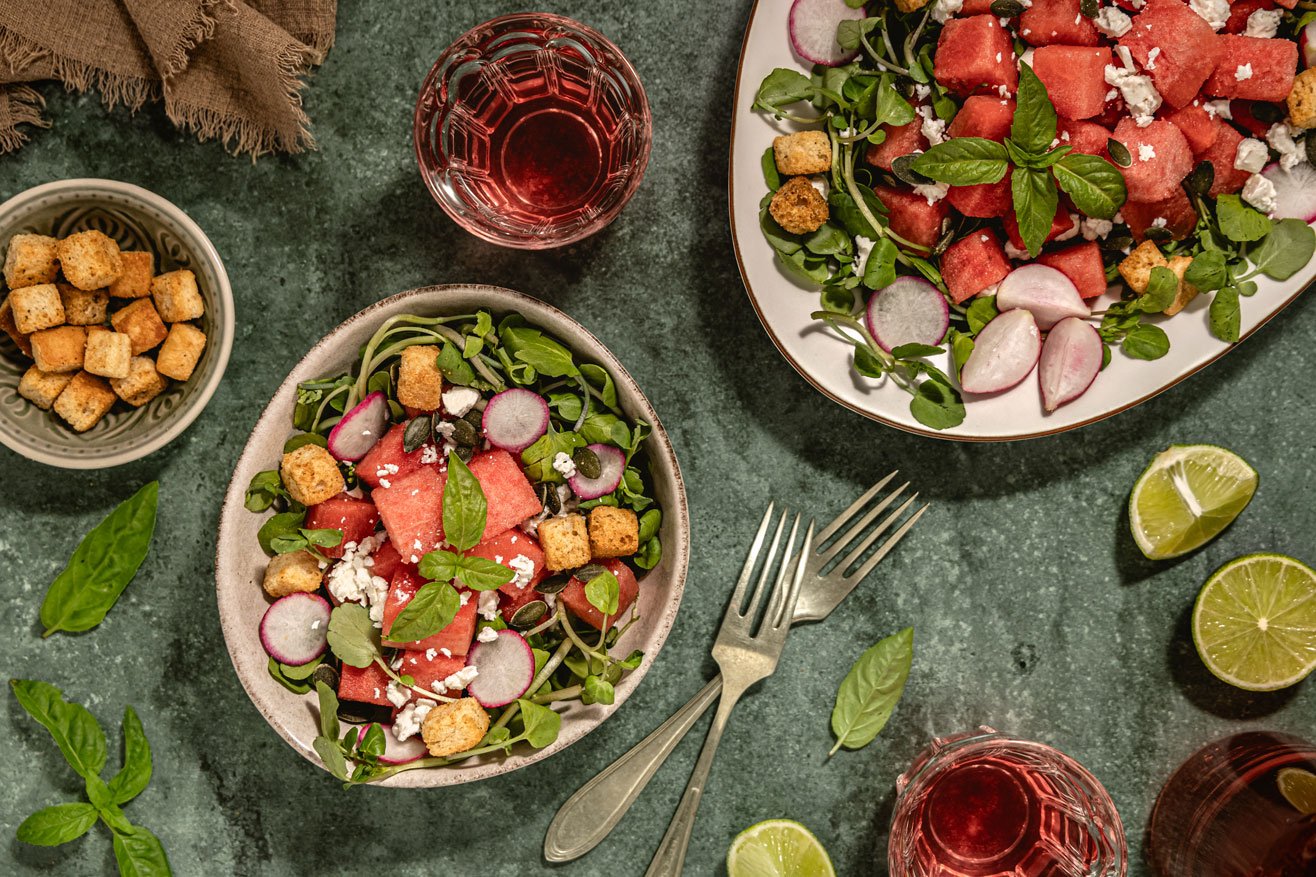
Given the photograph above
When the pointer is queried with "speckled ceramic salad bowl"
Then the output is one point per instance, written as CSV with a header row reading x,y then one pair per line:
x,y
240,564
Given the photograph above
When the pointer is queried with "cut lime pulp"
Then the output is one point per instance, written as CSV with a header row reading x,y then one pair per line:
x,y
1186,497
778,848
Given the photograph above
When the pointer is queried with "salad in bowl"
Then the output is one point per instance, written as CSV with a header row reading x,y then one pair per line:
x,y
455,545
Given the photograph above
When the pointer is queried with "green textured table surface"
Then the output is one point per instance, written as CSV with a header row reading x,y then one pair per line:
x,y
1032,608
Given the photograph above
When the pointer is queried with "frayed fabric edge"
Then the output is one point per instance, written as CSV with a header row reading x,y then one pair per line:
x,y
25,105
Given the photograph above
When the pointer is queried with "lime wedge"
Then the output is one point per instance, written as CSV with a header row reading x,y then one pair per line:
x,y
1255,622
1298,787
778,848
1186,497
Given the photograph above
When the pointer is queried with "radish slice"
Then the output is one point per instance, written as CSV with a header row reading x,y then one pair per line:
x,y
360,428
295,629
812,26
1307,40
1004,352
613,462
397,751
506,668
1044,291
1295,190
909,311
1071,359
515,419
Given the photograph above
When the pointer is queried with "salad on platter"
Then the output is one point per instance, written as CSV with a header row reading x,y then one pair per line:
x,y
461,525
984,189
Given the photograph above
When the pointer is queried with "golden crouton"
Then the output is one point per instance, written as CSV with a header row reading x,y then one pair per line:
x,y
311,475
10,328
84,401
142,384
420,383
798,207
805,152
613,532
176,296
108,353
141,322
1137,266
297,572
181,351
36,307
31,259
42,389
135,279
1302,100
910,5
565,542
1186,292
89,259
82,307
60,349
454,727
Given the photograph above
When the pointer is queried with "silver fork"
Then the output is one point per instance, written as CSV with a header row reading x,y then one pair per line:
x,y
595,809
746,651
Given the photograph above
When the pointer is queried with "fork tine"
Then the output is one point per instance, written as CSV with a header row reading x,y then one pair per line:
x,y
872,537
861,525
855,506
889,544
780,587
738,596
766,574
781,621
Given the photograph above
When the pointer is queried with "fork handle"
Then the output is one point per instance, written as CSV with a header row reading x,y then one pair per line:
x,y
595,809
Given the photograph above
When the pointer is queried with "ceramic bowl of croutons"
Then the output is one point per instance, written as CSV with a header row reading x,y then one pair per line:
x,y
116,322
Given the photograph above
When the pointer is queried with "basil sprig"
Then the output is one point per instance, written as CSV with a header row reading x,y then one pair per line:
x,y
870,691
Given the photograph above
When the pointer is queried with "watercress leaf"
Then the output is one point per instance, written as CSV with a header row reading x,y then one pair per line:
x,y
845,211
1146,342
298,671
1034,125
606,429
603,592
464,506
880,269
280,527
870,691
633,660
961,345
782,242
353,637
649,555
133,777
598,378
480,574
439,566
839,300
828,240
102,565
264,488
1246,287
536,349
867,364
323,538
1035,202
52,826
1094,185
782,87
541,723
849,31
140,854
432,609
1239,222
456,369
287,544
1226,317
328,703
304,439
937,405
963,161
890,107
538,458
1162,287
914,351
374,742
1287,248
650,521
1207,271
980,312
596,690
497,736
76,732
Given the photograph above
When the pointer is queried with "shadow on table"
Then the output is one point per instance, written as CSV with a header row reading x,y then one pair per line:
x,y
1210,694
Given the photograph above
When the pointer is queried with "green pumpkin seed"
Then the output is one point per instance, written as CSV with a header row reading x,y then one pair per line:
x,y
1267,112
549,499
327,674
1158,234
1310,142
417,433
1007,8
464,435
553,584
1119,152
587,463
465,454
901,166
590,571
1088,8
475,417
529,615
1198,183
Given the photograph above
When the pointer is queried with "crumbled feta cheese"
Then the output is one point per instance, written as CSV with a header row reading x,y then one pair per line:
x,y
1213,12
465,597
1244,72
431,654
1126,58
351,581
1159,222
1151,57
921,91
820,183
862,247
933,129
934,192
1112,22
460,400
1141,96
1064,135
1260,193
1146,152
1093,228
447,653
1218,108
1264,23
487,635
397,695
1280,138
456,681
407,722
429,454
523,569
1251,156
1003,91
564,464
1014,252
488,607
998,57
944,9
1072,231
1112,94
1027,56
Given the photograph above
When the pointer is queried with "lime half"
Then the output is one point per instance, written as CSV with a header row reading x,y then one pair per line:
x,y
1255,622
778,848
1298,787
1186,497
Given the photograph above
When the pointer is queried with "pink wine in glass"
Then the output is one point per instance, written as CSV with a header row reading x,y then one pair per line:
x,y
983,804
1224,813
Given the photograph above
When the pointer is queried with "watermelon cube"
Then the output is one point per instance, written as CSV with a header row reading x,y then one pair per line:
x,y
363,684
1175,213
1221,154
900,140
1161,159
1253,68
456,637
385,561
430,666
1244,114
1075,78
975,54
509,495
1049,22
508,604
355,518
1082,264
972,264
1060,223
984,200
507,545
1175,46
573,596
1199,127
412,510
975,7
985,116
1241,10
912,217
386,461
1088,138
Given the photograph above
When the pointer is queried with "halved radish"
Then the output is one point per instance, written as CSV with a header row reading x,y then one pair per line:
x,y
1071,360
812,25
397,751
360,428
1295,190
515,419
1004,352
1307,41
506,668
613,463
1042,290
909,311
295,629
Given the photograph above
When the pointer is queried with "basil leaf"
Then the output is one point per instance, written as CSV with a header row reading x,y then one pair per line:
x,y
464,507
52,826
439,566
537,350
1034,125
352,636
1287,248
1035,202
964,161
880,269
870,691
1162,288
1226,317
1239,222
1207,271
1094,185
481,574
937,405
75,731
981,311
1146,342
541,724
430,611
604,593
140,854
102,565
135,774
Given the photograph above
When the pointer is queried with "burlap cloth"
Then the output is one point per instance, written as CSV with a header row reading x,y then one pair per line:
x,y
224,68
